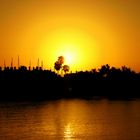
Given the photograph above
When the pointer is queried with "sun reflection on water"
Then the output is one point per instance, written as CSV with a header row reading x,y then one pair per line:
x,y
70,120
68,132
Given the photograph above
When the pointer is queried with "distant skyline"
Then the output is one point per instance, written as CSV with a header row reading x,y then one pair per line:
x,y
88,33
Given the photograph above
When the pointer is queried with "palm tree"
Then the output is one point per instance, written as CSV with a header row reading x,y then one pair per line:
x,y
61,60
58,64
66,68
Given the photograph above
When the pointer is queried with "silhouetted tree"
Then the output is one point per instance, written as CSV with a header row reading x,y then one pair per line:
x,y
104,70
126,69
105,82
58,64
61,60
66,68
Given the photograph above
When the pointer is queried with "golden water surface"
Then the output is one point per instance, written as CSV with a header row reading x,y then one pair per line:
x,y
70,120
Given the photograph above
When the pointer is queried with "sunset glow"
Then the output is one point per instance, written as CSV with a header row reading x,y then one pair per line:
x,y
73,44
87,33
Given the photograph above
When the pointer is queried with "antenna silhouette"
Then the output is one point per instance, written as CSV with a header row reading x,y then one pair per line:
x,y
42,64
12,63
30,65
38,63
18,62
4,64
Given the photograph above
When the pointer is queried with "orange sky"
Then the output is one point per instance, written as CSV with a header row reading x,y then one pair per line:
x,y
89,32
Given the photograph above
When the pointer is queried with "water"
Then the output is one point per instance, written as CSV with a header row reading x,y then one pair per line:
x,y
70,120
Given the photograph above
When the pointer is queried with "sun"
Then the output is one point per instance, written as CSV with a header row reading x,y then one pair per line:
x,y
79,50
68,58
70,53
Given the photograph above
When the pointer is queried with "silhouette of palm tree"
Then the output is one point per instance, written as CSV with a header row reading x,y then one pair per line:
x,y
58,64
61,60
66,68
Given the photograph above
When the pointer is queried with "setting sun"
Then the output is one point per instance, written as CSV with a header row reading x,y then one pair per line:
x,y
72,44
87,33
70,55
69,69
69,58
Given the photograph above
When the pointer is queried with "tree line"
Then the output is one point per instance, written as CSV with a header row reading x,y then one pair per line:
x,y
38,84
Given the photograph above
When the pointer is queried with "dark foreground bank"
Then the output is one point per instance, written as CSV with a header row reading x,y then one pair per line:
x,y
38,84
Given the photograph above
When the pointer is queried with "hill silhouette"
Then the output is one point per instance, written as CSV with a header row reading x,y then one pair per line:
x,y
38,84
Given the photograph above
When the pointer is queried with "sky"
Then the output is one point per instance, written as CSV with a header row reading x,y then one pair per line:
x,y
88,33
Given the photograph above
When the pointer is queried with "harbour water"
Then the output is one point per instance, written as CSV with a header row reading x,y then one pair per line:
x,y
70,120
